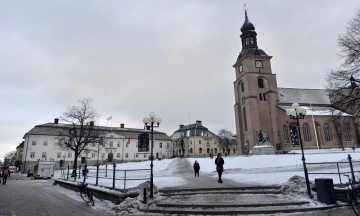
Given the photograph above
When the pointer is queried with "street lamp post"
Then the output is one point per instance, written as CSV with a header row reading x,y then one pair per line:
x,y
150,121
297,112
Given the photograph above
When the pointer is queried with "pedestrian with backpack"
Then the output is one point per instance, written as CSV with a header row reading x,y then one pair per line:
x,y
219,161
5,174
196,168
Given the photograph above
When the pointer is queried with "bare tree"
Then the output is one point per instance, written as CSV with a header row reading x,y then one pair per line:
x,y
9,158
81,128
227,140
343,83
341,124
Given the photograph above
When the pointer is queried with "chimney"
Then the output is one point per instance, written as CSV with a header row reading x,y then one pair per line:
x,y
122,125
92,123
198,123
56,121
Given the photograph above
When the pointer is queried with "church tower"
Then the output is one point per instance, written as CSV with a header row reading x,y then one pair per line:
x,y
255,92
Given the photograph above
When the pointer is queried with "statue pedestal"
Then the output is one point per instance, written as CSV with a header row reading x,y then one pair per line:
x,y
263,149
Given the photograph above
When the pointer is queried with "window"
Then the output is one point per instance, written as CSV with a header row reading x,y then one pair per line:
x,y
348,135
58,155
137,155
127,145
160,145
200,150
69,155
244,119
327,132
264,96
118,155
306,131
32,154
260,96
45,143
191,151
191,142
168,145
144,155
286,134
242,86
33,142
208,150
215,150
118,144
93,154
260,83
43,155
199,141
111,143
126,155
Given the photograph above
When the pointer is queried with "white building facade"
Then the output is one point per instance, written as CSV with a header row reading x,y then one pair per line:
x,y
119,145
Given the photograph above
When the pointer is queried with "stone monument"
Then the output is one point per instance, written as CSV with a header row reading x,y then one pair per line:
x,y
263,147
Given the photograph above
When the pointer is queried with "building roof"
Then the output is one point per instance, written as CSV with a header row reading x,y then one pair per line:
x,y
196,129
303,96
57,129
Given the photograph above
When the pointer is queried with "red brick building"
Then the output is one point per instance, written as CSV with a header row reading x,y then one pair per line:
x,y
261,105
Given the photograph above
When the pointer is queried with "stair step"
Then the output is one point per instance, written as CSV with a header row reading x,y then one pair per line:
x,y
229,205
173,190
233,211
222,192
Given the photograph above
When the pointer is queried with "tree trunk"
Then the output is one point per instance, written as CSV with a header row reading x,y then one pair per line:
x,y
73,174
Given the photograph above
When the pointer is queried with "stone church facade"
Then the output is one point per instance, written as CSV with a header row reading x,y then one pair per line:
x,y
260,105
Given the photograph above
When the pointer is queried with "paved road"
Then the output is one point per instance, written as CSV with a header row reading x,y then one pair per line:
x,y
22,196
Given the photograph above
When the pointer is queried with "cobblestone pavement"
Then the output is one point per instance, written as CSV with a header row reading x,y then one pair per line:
x,y
22,196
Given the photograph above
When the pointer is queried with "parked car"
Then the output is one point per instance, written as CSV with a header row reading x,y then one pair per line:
x,y
12,169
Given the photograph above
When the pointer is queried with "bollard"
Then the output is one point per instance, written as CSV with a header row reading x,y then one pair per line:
x,y
145,199
114,166
97,174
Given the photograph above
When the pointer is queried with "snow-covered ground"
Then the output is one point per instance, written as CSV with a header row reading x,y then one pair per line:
x,y
255,169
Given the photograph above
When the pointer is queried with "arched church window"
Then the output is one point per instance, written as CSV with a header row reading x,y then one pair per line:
x,y
251,40
327,132
347,129
200,150
286,134
246,41
260,83
306,131
244,119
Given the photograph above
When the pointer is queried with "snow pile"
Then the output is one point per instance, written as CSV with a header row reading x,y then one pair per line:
x,y
131,205
296,185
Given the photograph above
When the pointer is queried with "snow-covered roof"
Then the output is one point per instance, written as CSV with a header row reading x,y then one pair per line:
x,y
301,96
319,111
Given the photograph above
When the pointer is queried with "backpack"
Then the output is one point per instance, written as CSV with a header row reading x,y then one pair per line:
x,y
196,166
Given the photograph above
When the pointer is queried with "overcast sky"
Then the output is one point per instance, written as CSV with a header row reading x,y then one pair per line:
x,y
171,57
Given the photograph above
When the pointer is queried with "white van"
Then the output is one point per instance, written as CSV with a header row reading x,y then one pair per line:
x,y
44,169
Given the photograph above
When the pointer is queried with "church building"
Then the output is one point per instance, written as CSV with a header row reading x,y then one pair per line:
x,y
260,106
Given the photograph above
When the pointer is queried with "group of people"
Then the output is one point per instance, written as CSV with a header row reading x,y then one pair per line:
x,y
219,161
5,174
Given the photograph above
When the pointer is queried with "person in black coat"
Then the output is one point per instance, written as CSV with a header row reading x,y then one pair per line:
x,y
196,168
219,161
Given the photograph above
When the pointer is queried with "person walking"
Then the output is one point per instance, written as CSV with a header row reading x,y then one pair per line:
x,y
219,161
196,168
5,174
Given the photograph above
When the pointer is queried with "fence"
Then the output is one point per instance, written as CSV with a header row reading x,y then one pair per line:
x,y
109,177
345,167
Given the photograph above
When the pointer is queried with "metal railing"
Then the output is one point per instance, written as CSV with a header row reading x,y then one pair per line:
x,y
345,167
113,174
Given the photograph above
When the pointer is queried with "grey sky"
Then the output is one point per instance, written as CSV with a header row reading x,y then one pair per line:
x,y
171,57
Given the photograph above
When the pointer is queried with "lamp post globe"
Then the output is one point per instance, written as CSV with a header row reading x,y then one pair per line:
x,y
297,112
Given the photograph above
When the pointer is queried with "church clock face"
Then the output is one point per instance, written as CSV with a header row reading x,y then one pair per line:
x,y
258,64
